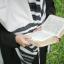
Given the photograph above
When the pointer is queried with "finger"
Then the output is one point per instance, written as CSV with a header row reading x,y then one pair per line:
x,y
27,37
24,44
57,39
27,42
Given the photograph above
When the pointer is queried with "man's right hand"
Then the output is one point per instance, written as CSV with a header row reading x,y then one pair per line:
x,y
23,40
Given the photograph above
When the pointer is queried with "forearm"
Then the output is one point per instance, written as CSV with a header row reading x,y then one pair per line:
x,y
6,38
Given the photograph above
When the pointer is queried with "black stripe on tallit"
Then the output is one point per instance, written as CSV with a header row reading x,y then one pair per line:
x,y
26,56
28,59
23,55
42,11
31,49
35,7
25,27
34,28
23,52
23,62
38,0
29,31
36,17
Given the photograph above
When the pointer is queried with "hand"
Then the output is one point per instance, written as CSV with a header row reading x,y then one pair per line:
x,y
23,40
57,39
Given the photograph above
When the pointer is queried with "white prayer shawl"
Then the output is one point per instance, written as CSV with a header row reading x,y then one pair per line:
x,y
15,14
19,16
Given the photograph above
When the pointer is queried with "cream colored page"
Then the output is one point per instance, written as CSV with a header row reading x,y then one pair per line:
x,y
53,24
40,35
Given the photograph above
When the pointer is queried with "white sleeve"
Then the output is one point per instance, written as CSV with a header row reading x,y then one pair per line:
x,y
3,7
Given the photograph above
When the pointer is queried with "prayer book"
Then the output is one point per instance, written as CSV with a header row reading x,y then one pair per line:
x,y
53,26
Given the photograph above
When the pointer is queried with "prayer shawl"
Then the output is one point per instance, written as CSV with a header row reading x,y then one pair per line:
x,y
22,17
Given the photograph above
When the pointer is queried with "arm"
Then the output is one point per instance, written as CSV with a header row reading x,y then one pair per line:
x,y
50,8
6,38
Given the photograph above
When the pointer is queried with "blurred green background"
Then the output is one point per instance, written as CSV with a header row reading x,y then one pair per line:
x,y
56,55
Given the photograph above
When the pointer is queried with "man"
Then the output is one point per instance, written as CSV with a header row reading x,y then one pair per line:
x,y
9,42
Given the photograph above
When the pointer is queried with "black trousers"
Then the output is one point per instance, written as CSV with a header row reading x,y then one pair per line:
x,y
43,53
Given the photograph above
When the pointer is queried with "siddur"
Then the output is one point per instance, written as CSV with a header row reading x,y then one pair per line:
x,y
53,26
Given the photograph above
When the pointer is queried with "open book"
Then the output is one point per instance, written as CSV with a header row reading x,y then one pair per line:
x,y
53,26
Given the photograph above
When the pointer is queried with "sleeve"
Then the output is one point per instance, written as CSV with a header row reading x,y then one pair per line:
x,y
3,9
50,8
7,39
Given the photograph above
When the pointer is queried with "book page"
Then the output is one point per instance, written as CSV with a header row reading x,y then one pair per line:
x,y
40,35
53,24
52,27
